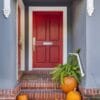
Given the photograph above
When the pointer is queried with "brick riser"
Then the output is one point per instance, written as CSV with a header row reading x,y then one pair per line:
x,y
39,85
42,94
42,81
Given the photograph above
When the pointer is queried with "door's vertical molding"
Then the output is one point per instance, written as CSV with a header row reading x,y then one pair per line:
x,y
30,39
64,35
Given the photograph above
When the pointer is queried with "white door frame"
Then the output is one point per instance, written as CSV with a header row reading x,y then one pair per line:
x,y
39,8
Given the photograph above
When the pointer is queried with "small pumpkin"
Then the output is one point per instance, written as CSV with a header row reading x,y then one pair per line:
x,y
73,95
69,84
22,97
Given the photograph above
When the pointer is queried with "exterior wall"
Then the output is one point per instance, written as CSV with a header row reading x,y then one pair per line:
x,y
86,36
46,2
79,30
69,29
93,47
26,38
8,48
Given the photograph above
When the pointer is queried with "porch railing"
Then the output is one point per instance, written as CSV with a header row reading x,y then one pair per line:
x,y
79,63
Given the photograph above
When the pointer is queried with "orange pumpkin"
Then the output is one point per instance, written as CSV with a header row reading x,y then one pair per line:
x,y
73,95
22,97
69,84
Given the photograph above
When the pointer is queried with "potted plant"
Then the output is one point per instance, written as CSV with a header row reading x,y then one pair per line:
x,y
68,74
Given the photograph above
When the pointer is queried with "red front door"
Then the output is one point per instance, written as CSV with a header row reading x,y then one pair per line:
x,y
47,39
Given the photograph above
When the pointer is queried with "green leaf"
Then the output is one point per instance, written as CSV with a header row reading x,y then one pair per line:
x,y
78,50
62,77
75,76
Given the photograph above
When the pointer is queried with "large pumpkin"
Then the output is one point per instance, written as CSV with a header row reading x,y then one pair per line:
x,y
69,84
22,97
73,95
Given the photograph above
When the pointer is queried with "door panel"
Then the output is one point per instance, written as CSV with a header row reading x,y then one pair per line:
x,y
56,38
40,54
47,29
54,56
39,33
54,28
40,27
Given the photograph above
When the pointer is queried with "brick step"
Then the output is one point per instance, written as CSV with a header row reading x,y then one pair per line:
x,y
38,72
44,94
38,79
39,84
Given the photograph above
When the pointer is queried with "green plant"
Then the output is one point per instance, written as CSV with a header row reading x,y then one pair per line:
x,y
71,68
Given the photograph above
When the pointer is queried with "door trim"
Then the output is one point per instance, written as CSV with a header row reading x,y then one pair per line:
x,y
39,8
21,5
22,35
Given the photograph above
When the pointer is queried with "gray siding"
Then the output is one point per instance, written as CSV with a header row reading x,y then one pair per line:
x,y
26,38
8,48
93,47
79,29
69,27
86,36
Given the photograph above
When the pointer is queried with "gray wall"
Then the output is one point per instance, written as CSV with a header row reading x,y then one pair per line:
x,y
79,30
86,35
46,2
93,47
8,48
26,38
69,28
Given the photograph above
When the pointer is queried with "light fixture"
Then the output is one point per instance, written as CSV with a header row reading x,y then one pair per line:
x,y
6,9
90,7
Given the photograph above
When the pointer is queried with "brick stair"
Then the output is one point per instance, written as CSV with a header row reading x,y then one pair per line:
x,y
44,94
39,86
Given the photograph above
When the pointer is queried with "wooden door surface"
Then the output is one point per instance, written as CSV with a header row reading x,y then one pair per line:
x,y
47,39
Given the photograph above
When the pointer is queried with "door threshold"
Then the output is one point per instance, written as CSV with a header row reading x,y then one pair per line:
x,y
43,68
